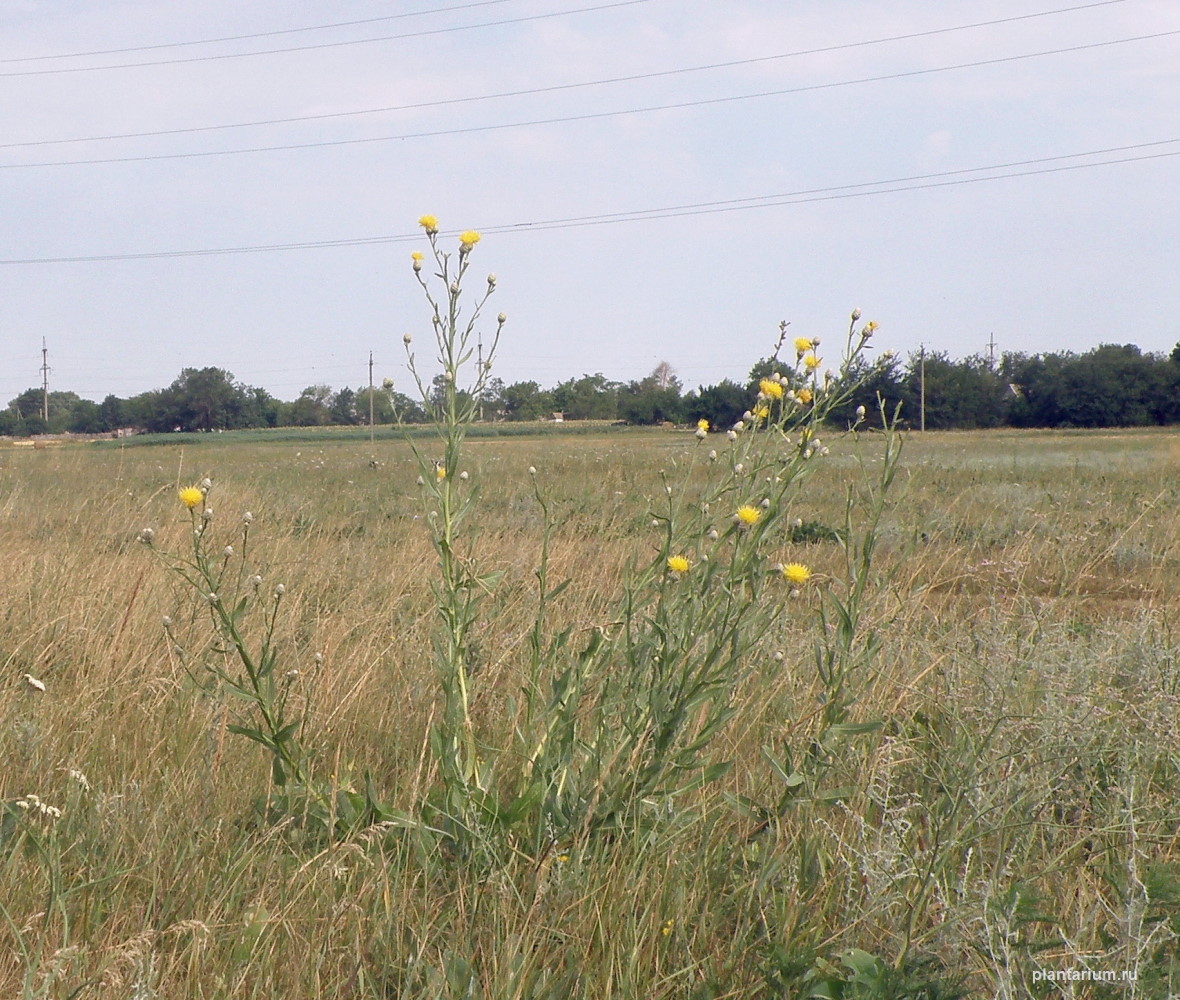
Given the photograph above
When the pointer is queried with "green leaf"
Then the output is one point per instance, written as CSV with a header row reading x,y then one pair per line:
x,y
284,734
792,780
855,728
866,969
524,803
252,734
552,593
489,581
836,794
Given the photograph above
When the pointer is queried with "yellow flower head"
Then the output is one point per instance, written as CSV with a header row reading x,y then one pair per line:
x,y
770,388
702,425
871,326
190,496
440,472
468,239
802,345
761,412
677,564
796,574
804,396
429,223
417,256
748,515
811,362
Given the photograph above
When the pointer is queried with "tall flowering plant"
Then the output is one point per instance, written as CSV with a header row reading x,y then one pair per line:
x,y
449,495
617,729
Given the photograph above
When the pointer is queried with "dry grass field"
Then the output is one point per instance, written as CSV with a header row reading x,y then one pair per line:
x,y
1012,820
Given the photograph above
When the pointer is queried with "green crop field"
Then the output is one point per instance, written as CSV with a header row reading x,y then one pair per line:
x,y
994,805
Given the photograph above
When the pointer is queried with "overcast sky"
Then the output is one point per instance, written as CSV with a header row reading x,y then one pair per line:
x,y
822,113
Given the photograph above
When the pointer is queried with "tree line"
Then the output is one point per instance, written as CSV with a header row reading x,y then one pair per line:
x,y
1109,386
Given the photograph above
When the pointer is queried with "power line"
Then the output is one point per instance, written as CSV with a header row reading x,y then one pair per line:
x,y
252,35
326,45
633,78
595,115
915,182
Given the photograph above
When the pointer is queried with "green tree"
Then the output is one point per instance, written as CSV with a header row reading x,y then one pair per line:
x,y
963,394
591,397
526,401
342,408
85,418
877,383
311,409
206,399
722,404
653,400
112,413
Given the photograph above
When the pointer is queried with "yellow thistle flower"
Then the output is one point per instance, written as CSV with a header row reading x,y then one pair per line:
x,y
440,472
802,345
761,412
748,515
417,256
677,564
429,223
190,496
796,574
702,425
468,239
804,396
770,388
871,326
811,362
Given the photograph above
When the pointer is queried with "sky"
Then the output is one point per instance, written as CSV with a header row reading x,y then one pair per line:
x,y
655,180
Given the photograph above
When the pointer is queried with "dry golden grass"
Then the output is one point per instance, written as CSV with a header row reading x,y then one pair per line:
x,y
1029,686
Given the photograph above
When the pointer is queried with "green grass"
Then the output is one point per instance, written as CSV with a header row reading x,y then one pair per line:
x,y
1016,812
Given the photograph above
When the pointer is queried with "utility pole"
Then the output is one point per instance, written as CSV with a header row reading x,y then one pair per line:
x,y
922,388
991,351
44,382
370,397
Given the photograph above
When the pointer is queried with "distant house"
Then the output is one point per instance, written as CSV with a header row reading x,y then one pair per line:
x,y
559,417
